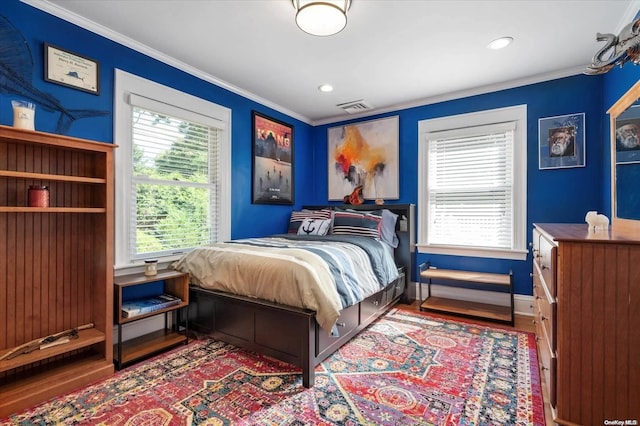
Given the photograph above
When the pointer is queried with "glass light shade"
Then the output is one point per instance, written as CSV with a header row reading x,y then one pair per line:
x,y
321,18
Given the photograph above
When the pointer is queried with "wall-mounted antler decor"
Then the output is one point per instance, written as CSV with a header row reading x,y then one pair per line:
x,y
620,49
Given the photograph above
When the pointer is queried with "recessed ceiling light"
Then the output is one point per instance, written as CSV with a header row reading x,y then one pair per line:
x,y
326,88
500,43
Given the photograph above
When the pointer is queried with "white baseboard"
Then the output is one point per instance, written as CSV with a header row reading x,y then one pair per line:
x,y
522,304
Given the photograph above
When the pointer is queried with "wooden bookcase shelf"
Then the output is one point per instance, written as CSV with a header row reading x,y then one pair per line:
x,y
477,280
56,264
85,338
47,176
51,210
176,284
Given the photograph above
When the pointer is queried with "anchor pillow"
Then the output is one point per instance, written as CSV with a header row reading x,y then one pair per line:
x,y
311,226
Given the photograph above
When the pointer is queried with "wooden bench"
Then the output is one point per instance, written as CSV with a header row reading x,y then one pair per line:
x,y
478,280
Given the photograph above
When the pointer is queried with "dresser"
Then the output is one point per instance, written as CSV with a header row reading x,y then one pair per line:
x,y
586,288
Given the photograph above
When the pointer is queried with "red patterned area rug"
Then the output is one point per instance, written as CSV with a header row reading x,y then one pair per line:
x,y
407,368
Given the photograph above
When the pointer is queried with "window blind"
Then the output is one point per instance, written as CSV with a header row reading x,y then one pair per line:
x,y
175,193
470,186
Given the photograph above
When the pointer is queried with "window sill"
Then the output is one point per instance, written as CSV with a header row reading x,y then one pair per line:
x,y
139,266
473,252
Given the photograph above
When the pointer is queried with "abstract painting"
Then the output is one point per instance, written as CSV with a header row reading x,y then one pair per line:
x,y
364,153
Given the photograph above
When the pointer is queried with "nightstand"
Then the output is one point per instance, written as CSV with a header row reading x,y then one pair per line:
x,y
175,284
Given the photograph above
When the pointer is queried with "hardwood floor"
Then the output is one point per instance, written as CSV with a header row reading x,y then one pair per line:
x,y
522,323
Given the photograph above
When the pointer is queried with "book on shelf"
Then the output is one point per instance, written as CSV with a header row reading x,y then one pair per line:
x,y
137,307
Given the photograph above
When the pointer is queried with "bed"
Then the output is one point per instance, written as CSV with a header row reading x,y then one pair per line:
x,y
263,318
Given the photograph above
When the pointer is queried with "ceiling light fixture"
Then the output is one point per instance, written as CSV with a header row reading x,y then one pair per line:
x,y
321,18
326,88
500,43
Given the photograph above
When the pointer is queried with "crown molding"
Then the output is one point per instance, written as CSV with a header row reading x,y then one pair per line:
x,y
540,78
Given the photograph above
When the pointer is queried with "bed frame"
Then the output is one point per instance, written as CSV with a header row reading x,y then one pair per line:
x,y
292,334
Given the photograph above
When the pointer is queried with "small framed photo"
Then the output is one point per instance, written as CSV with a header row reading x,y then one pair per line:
x,y
272,172
561,141
70,69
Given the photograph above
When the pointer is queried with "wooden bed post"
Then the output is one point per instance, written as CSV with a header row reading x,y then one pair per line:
x,y
308,358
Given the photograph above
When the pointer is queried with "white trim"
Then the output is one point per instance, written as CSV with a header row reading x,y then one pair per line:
x,y
517,114
124,84
482,90
473,251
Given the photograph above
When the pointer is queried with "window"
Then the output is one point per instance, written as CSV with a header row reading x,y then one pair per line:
x,y
172,170
472,184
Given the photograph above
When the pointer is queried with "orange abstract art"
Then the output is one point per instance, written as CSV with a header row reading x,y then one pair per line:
x,y
364,154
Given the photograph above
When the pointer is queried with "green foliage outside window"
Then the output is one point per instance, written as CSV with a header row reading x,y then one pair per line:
x,y
171,173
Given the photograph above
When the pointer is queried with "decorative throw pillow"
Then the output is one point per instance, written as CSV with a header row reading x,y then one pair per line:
x,y
388,228
353,223
297,217
314,227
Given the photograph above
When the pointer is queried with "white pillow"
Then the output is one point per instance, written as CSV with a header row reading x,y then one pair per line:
x,y
314,226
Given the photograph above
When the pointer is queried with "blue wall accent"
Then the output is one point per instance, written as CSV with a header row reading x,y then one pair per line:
x,y
558,195
38,27
561,195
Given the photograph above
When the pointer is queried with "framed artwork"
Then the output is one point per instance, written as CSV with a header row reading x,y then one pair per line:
x,y
272,172
71,70
628,137
561,141
364,153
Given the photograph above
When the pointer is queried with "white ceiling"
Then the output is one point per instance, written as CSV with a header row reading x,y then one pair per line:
x,y
392,54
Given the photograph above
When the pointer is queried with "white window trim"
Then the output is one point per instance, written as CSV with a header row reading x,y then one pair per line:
x,y
509,114
126,85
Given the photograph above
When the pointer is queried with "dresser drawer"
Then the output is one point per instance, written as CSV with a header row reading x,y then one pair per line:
x,y
548,362
546,261
546,314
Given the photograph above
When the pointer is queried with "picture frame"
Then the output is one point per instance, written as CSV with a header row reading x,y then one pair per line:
x,y
70,69
364,153
561,141
273,165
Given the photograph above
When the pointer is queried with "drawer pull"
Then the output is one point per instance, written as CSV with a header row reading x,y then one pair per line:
x,y
543,368
341,324
538,297
376,302
538,338
544,267
534,322
543,318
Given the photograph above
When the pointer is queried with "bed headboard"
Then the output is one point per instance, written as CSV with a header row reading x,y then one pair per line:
x,y
405,253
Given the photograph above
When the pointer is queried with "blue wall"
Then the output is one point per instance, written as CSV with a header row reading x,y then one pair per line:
x,y
561,195
38,27
558,195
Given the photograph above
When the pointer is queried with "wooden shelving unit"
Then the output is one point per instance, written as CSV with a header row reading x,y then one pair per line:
x,y
176,284
55,264
478,280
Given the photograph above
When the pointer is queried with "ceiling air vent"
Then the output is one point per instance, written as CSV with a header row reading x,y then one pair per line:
x,y
355,106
